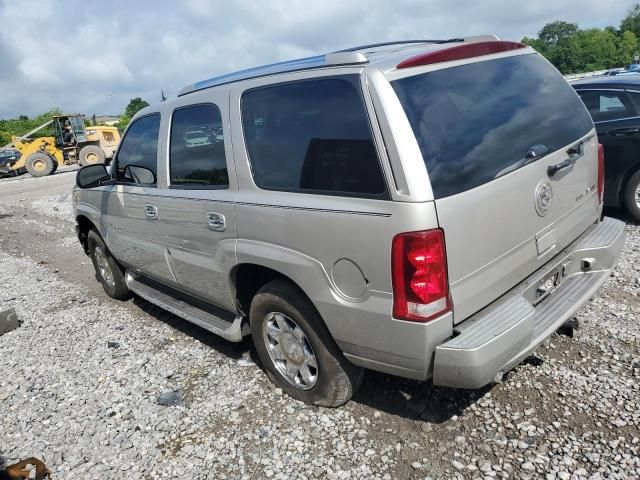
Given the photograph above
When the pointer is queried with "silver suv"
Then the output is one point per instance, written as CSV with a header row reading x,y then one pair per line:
x,y
429,209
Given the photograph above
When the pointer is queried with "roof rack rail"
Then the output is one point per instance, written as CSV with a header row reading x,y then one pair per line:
x,y
349,56
399,42
477,38
330,59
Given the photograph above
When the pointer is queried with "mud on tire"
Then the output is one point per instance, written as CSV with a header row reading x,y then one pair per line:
x,y
285,324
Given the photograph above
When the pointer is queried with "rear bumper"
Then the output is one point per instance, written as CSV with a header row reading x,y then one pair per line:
x,y
504,333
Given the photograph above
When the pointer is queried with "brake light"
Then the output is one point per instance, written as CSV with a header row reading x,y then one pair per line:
x,y
419,275
460,52
600,172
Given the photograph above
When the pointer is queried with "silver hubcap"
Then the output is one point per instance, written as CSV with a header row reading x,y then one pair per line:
x,y
103,265
290,351
638,196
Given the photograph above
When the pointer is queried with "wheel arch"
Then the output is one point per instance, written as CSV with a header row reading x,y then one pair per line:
x,y
86,221
84,225
621,185
248,278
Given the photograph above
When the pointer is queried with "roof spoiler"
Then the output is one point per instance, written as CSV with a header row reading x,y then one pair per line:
x,y
476,48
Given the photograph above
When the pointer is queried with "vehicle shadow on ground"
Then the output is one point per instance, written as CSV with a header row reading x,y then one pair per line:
x,y
415,400
423,401
232,350
619,214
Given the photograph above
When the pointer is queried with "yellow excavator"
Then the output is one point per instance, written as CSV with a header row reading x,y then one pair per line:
x,y
73,143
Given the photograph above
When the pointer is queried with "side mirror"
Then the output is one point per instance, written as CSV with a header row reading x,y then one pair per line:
x,y
140,175
91,176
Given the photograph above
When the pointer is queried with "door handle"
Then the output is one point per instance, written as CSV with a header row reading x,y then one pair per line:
x,y
216,222
151,212
624,132
576,152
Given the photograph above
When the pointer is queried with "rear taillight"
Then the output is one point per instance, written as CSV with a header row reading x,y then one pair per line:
x,y
600,172
419,275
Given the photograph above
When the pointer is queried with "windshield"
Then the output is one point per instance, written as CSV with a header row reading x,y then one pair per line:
x,y
477,122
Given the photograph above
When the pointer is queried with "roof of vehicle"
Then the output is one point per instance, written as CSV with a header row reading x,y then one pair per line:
x,y
618,81
365,54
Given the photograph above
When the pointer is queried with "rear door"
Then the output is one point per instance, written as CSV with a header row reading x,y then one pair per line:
x,y
198,209
489,131
615,115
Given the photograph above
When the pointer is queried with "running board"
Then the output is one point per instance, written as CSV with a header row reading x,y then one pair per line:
x,y
231,331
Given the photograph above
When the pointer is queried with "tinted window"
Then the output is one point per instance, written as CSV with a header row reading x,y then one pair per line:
x,y
197,147
635,98
476,122
311,136
607,105
139,149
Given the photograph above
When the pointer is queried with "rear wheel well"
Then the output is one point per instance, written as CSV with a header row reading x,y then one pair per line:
x,y
623,183
248,278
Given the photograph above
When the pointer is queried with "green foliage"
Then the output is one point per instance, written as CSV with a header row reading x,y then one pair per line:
x,y
23,124
555,33
627,48
631,23
134,106
573,50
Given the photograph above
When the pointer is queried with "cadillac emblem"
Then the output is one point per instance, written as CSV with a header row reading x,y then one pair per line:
x,y
544,196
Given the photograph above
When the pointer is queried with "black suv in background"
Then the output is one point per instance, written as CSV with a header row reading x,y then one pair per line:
x,y
614,105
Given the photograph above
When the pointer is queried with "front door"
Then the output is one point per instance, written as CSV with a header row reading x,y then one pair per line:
x,y
132,211
197,211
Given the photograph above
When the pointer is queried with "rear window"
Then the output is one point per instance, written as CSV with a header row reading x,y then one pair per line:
x,y
476,122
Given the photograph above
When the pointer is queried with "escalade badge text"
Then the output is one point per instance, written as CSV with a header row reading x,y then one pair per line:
x,y
544,196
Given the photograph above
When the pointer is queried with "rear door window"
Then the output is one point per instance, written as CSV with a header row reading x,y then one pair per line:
x,y
197,157
312,136
605,105
476,122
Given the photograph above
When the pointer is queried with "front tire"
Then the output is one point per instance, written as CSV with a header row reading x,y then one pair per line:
x,y
110,274
632,196
40,164
91,155
296,349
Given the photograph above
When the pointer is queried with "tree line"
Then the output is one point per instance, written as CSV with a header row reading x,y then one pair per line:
x,y
572,50
23,124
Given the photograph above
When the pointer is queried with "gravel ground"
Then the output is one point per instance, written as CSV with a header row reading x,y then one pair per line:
x,y
81,378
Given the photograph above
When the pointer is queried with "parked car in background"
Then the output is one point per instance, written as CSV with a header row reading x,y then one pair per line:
x,y
614,105
613,72
7,158
429,209
633,69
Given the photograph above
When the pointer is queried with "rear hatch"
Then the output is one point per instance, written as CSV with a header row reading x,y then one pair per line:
x,y
489,132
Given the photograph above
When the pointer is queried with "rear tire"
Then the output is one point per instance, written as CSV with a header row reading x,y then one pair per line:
x,y
296,349
632,196
91,155
40,164
110,274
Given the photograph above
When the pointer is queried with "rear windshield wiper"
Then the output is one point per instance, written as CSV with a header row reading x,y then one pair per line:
x,y
535,152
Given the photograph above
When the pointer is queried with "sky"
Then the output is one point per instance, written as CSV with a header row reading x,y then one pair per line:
x,y
93,57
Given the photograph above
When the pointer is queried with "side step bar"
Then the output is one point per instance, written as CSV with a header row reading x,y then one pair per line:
x,y
231,331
